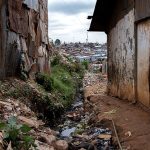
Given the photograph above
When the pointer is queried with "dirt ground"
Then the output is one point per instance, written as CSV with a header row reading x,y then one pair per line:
x,y
132,122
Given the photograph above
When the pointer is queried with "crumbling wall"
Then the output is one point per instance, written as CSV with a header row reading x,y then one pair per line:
x,y
121,58
26,37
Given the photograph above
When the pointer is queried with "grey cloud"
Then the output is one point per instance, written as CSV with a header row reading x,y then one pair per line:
x,y
57,25
70,8
57,28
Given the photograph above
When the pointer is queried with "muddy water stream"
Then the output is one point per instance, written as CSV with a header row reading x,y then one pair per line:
x,y
77,132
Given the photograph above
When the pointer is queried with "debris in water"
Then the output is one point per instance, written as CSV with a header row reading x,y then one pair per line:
x,y
67,132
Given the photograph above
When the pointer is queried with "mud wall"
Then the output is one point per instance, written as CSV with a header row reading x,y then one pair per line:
x,y
24,44
121,57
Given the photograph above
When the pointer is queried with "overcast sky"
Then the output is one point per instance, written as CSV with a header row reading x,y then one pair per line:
x,y
68,21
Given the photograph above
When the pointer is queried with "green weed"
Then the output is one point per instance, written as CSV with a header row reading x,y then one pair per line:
x,y
17,134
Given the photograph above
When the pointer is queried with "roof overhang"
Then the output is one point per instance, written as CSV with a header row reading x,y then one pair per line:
x,y
101,15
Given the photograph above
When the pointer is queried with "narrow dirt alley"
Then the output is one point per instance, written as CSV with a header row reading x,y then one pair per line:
x,y
131,121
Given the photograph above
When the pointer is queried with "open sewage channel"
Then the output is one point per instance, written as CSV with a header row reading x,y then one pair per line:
x,y
75,129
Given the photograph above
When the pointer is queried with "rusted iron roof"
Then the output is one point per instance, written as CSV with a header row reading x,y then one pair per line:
x,y
101,15
108,12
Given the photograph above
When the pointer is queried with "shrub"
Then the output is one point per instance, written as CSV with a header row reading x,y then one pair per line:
x,y
64,84
63,81
85,63
56,60
79,70
45,80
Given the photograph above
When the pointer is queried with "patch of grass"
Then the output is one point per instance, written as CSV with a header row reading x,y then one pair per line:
x,y
17,92
63,81
64,84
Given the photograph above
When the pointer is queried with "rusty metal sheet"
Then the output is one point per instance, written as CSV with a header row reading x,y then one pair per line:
x,y
12,53
24,45
44,35
27,30
47,66
2,38
32,48
31,25
1,34
40,51
32,4
38,38
108,12
44,65
44,11
18,17
27,62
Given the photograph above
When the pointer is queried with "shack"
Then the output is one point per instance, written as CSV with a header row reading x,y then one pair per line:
x,y
24,42
127,25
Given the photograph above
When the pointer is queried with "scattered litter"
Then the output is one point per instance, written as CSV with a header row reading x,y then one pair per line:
x,y
111,112
82,136
1,138
128,134
67,132
9,146
104,136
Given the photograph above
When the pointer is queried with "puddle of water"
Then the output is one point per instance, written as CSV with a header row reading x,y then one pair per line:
x,y
67,132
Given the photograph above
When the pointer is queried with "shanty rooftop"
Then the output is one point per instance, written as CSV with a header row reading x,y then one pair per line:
x,y
101,15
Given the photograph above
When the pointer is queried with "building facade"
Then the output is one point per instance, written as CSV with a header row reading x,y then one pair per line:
x,y
24,42
127,25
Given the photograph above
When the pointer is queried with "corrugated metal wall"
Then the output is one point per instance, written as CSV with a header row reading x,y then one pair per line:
x,y
2,38
26,37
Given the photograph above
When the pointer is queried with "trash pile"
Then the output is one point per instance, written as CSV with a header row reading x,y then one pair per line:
x,y
80,135
95,138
